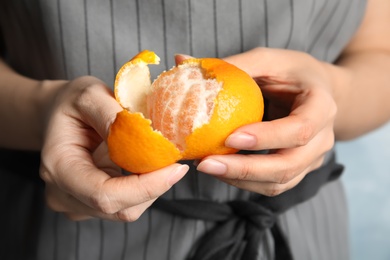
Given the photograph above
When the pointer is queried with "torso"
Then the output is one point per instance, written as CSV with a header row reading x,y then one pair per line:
x,y
97,37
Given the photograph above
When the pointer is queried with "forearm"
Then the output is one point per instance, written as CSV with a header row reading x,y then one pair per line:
x,y
362,93
23,103
361,77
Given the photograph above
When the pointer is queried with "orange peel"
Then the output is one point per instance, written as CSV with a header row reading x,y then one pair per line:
x,y
187,113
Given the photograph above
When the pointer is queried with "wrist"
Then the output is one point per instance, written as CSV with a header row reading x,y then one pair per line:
x,y
24,105
341,84
46,95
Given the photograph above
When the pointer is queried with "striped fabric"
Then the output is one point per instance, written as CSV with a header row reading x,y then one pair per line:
x,y
97,37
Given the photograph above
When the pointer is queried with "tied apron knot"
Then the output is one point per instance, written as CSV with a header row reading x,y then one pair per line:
x,y
260,217
240,225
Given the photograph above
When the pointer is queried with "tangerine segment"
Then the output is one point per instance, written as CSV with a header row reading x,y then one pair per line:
x,y
136,147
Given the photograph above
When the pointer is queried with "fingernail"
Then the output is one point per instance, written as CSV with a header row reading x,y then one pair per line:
x,y
179,58
185,56
241,141
177,174
196,162
212,167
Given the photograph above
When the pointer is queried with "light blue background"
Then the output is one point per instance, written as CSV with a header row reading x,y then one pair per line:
x,y
367,182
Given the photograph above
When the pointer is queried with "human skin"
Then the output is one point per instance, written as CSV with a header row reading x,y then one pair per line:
x,y
312,104
61,119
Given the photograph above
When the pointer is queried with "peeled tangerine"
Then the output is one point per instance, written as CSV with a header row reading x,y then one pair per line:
x,y
187,113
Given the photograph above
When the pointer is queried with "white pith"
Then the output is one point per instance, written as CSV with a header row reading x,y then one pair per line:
x,y
133,88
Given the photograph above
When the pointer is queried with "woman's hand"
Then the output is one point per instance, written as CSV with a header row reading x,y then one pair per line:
x,y
299,128
81,180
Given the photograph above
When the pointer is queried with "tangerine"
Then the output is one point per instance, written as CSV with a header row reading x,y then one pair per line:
x,y
187,113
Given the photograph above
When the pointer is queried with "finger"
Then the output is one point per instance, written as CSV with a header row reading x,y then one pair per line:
x,y
269,188
103,161
288,132
266,188
75,210
127,191
271,168
277,64
98,190
306,120
77,217
179,58
101,116
68,163
279,167
272,189
60,201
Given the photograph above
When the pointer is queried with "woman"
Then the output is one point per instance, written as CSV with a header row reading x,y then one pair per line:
x,y
320,58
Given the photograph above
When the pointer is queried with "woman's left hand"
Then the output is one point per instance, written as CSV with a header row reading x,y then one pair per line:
x,y
299,129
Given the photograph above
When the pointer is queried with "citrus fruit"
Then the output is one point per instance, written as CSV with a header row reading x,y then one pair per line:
x,y
186,113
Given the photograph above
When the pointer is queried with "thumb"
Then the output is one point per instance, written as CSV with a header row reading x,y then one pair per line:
x,y
97,106
179,58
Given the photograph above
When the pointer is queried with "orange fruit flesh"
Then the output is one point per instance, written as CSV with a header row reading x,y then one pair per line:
x,y
181,101
187,113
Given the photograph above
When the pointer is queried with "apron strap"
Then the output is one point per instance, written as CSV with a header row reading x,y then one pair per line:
x,y
241,224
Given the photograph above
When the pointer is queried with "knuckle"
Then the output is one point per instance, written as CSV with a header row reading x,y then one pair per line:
x,y
128,215
244,172
285,177
70,216
317,164
247,168
102,202
84,97
145,192
233,182
330,141
76,217
52,203
329,144
305,133
333,110
86,94
44,173
286,173
275,190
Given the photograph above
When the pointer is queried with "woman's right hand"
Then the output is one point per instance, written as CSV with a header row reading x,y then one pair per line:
x,y
81,181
